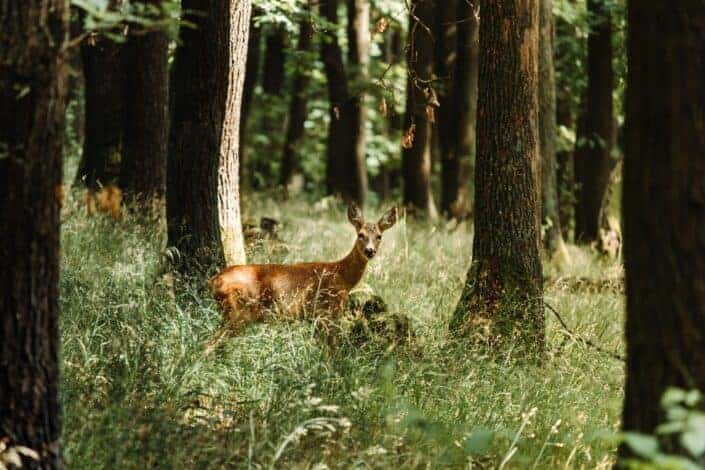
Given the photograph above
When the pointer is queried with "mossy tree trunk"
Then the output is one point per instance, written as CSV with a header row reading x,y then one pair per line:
x,y
421,103
593,161
33,79
663,207
502,297
298,106
145,140
203,204
550,218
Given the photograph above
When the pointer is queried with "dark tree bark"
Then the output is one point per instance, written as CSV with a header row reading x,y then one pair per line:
x,y
345,171
33,79
105,98
565,174
502,295
145,141
274,75
298,109
203,207
457,56
421,103
550,218
593,161
663,207
251,77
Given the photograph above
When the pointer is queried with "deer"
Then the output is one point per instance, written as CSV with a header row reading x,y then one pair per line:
x,y
248,293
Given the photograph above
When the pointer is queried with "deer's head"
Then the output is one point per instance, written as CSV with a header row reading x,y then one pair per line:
x,y
369,235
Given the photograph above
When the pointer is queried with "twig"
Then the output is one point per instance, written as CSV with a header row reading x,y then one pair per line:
x,y
583,340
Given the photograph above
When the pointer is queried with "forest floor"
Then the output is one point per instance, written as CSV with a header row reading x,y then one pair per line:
x,y
138,392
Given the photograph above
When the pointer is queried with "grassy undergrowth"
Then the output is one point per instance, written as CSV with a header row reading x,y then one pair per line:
x,y
138,392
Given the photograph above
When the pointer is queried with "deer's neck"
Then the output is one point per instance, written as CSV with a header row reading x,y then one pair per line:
x,y
352,267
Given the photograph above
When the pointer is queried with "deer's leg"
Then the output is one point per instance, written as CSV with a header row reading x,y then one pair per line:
x,y
237,314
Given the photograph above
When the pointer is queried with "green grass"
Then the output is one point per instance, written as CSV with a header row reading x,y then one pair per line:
x,y
137,390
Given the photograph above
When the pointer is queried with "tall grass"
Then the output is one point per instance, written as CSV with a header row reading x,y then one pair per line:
x,y
137,390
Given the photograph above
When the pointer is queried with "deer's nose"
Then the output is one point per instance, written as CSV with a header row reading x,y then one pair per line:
x,y
369,252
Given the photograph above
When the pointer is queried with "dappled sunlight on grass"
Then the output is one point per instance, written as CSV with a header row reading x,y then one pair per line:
x,y
138,391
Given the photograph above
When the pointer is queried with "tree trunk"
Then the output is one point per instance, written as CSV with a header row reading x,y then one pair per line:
x,y
501,299
565,174
358,32
298,110
105,88
274,75
663,206
421,103
457,64
345,171
203,206
248,92
33,80
593,160
143,165
550,218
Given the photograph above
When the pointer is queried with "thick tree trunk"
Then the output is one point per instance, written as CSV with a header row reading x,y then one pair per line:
x,y
274,74
550,218
33,79
421,106
248,93
502,296
203,206
593,160
298,109
345,171
145,141
105,98
663,207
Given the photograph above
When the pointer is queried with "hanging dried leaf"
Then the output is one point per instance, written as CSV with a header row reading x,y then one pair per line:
x,y
381,25
408,140
430,113
336,112
383,107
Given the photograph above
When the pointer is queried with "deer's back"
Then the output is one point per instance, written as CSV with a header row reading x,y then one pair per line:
x,y
290,285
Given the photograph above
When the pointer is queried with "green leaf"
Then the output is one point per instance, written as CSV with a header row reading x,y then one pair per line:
x,y
693,439
672,397
478,441
641,444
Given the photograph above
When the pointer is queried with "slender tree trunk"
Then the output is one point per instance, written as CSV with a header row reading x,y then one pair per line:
x,y
565,173
298,109
345,172
663,207
421,103
457,60
274,75
105,88
203,206
553,237
33,79
358,32
593,161
251,77
143,165
502,296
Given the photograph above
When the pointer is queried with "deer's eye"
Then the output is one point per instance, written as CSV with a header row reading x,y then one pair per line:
x,y
360,236
379,237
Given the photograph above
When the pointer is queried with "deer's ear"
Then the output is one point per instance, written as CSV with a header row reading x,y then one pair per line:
x,y
355,215
388,219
